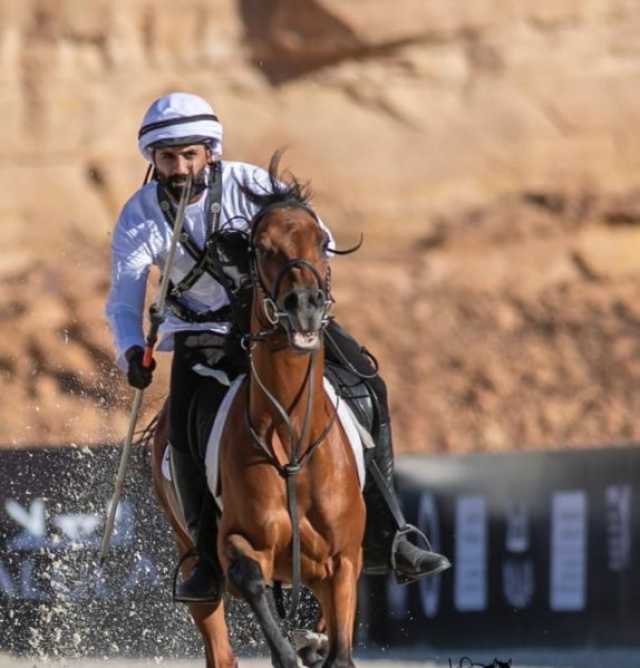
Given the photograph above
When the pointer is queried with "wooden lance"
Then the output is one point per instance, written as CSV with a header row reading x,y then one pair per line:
x,y
156,315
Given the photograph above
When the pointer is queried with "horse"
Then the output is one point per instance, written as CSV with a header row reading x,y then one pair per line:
x,y
292,507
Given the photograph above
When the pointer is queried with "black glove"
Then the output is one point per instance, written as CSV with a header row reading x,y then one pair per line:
x,y
139,376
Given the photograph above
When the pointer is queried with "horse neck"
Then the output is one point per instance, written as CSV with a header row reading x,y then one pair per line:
x,y
285,373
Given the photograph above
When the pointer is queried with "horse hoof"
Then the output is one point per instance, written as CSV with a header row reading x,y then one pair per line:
x,y
311,647
307,658
303,638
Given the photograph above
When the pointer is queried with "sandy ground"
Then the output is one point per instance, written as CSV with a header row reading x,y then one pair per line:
x,y
551,658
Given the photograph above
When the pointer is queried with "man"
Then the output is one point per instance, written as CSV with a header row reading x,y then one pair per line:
x,y
180,134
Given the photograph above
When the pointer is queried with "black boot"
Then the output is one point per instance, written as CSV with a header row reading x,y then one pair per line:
x,y
205,584
386,544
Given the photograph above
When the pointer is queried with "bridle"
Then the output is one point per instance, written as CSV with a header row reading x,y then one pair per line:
x,y
274,315
281,320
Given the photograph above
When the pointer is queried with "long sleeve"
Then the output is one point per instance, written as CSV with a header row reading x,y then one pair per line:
x,y
142,238
131,259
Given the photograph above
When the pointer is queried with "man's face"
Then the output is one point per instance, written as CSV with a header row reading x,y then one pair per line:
x,y
173,164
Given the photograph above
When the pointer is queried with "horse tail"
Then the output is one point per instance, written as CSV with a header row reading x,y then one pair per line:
x,y
145,437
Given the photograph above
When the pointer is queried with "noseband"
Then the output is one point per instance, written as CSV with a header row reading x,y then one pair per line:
x,y
277,316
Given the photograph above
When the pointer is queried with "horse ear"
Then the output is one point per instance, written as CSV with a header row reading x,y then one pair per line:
x,y
353,249
274,167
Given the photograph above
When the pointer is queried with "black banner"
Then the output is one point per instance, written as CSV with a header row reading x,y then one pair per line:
x,y
543,546
54,599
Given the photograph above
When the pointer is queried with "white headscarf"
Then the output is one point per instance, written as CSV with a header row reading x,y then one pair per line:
x,y
180,117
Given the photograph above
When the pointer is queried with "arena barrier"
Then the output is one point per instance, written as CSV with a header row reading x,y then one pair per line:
x,y
55,598
542,544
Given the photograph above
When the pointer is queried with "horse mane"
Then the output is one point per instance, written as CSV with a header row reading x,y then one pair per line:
x,y
284,188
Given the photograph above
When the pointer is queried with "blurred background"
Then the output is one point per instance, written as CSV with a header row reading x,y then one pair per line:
x,y
488,151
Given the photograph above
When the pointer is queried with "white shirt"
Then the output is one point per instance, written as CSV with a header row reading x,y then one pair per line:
x,y
142,238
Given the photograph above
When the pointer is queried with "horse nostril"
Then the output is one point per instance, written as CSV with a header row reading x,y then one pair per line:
x,y
317,298
291,302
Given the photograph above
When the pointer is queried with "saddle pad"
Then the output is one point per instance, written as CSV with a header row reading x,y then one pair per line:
x,y
357,440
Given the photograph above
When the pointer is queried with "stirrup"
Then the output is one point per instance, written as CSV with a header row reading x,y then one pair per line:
x,y
406,530
174,593
176,571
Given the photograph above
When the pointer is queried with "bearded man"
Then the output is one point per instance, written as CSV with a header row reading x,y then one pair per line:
x,y
181,135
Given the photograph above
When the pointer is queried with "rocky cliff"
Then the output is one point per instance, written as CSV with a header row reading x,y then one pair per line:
x,y
487,150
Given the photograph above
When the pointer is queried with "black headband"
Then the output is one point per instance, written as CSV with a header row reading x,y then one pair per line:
x,y
145,129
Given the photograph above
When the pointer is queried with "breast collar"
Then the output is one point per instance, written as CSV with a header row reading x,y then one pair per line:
x,y
203,259
212,212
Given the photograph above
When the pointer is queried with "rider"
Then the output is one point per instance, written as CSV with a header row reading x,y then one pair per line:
x,y
180,134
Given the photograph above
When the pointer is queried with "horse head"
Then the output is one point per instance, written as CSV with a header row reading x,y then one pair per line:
x,y
290,269
290,252
289,261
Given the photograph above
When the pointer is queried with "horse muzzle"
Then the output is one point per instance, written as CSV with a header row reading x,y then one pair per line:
x,y
304,312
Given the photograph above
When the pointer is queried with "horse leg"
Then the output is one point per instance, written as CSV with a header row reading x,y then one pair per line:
x,y
312,647
209,618
338,600
245,573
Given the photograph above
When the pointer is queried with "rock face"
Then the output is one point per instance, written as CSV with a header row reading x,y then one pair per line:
x,y
488,151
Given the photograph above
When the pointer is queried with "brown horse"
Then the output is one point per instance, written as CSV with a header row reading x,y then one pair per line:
x,y
293,511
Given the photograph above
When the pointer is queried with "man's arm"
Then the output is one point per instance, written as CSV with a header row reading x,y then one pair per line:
x,y
131,258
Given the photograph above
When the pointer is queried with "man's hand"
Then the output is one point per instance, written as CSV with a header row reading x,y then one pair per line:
x,y
138,375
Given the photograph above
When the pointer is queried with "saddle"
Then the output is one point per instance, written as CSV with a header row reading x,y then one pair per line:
x,y
349,387
201,418
358,394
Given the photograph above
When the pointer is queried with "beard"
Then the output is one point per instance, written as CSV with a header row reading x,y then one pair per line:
x,y
175,184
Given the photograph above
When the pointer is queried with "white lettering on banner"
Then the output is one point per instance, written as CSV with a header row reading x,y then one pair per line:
x,y
33,584
6,583
32,521
429,587
618,502
518,582
50,576
78,529
470,570
568,551
517,531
